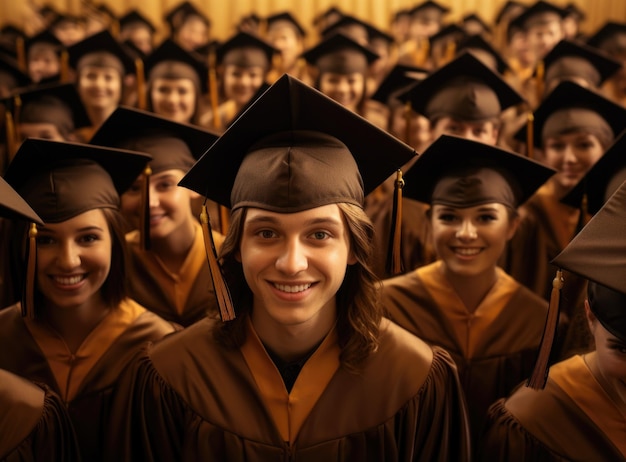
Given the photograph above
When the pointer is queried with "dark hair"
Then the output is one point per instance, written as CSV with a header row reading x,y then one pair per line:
x,y
358,299
115,287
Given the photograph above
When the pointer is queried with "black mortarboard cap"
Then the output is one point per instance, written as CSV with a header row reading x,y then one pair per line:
x,y
610,38
464,89
10,67
329,12
571,59
135,17
451,33
602,179
597,254
58,104
44,37
571,9
346,24
172,145
61,180
169,60
476,19
101,49
179,14
245,50
538,13
60,18
12,205
430,8
485,52
312,152
569,107
399,78
339,53
510,9
285,17
462,173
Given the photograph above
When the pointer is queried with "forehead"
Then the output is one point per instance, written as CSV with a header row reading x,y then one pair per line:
x,y
89,219
327,213
490,207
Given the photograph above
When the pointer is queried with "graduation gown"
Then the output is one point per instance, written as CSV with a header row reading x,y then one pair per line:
x,y
546,227
34,425
494,348
572,418
194,399
85,380
184,297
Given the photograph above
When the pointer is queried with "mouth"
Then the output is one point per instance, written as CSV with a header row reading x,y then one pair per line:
x,y
292,288
467,251
69,280
156,218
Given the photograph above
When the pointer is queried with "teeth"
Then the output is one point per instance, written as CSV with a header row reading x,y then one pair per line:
x,y
68,280
467,252
292,289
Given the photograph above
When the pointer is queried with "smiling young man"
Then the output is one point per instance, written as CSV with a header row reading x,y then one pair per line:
x,y
308,368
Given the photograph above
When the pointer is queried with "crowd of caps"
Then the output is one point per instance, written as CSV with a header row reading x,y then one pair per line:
x,y
487,156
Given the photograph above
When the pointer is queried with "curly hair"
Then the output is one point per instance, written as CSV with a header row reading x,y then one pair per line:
x,y
359,311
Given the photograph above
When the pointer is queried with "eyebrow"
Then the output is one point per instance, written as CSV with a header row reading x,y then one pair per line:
x,y
273,220
81,230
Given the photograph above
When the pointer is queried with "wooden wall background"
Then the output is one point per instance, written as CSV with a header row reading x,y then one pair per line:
x,y
225,13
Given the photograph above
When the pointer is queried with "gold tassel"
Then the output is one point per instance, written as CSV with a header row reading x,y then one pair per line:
x,y
224,300
144,216
394,260
11,136
28,298
65,67
142,102
20,48
539,75
530,136
539,376
423,49
215,105
407,122
450,51
224,219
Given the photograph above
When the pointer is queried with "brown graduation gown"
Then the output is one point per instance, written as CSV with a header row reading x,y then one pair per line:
x,y
92,397
195,399
494,348
572,418
184,297
34,425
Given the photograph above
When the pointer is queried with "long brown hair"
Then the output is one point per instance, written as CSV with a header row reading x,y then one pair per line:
x,y
359,311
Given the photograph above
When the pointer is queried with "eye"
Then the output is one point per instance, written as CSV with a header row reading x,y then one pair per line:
x,y
446,217
89,238
266,234
44,240
320,235
487,217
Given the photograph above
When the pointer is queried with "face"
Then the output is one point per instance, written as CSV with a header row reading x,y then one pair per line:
x,y
470,240
192,34
611,354
419,138
286,40
100,87
571,155
74,259
69,32
543,37
420,28
174,99
242,83
141,37
295,263
43,62
485,132
170,209
520,48
346,89
44,130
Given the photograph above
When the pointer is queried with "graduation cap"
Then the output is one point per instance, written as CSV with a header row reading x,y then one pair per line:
x,y
540,12
399,79
429,10
340,54
357,29
170,61
458,172
285,19
245,50
178,15
134,18
12,39
101,49
12,205
597,254
172,145
331,13
61,180
10,72
65,18
44,38
510,9
57,104
447,39
610,38
464,89
474,24
602,179
312,152
570,107
570,59
485,52
571,9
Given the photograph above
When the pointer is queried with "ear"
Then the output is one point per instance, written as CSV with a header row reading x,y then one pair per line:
x,y
591,318
513,225
352,258
238,255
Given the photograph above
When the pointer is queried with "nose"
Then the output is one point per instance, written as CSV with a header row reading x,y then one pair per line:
x,y
569,156
68,257
466,231
292,258
153,197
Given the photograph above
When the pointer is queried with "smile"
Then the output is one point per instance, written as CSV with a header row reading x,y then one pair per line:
x,y
467,252
292,289
68,280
